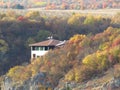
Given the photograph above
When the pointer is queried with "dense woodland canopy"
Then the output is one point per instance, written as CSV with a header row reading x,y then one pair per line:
x,y
18,31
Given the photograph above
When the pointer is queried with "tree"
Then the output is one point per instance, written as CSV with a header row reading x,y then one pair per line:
x,y
15,72
77,38
30,40
76,20
42,35
32,15
89,20
21,18
3,46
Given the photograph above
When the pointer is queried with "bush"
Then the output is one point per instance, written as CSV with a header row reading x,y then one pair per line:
x,y
116,54
80,73
70,75
98,60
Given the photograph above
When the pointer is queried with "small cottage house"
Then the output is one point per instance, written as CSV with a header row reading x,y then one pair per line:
x,y
41,48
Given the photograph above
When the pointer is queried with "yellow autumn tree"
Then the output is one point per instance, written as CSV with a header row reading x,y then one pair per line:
x,y
75,20
70,75
98,60
89,20
15,73
32,14
77,38
89,60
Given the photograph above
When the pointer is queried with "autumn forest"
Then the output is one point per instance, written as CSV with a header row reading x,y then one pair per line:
x,y
93,45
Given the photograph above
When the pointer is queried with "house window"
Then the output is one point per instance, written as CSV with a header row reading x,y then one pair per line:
x,y
46,48
37,48
33,47
41,48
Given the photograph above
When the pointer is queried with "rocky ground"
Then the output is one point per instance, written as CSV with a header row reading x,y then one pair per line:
x,y
109,80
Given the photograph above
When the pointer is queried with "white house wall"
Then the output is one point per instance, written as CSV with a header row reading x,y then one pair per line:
x,y
38,53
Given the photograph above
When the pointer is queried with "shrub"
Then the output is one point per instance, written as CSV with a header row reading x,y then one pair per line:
x,y
97,60
80,73
116,54
15,72
70,75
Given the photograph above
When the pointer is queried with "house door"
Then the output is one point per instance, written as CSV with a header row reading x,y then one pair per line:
x,y
34,55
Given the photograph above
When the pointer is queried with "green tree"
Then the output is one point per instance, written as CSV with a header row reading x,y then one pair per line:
x,y
42,35
3,46
89,20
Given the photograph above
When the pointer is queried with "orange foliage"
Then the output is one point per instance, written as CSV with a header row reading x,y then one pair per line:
x,y
116,42
21,18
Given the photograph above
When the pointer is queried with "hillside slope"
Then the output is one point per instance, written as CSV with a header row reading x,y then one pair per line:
x,y
17,31
82,59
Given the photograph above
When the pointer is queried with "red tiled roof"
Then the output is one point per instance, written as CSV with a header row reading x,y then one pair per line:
x,y
50,42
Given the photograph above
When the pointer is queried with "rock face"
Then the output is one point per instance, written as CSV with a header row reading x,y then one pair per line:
x,y
31,84
40,80
7,84
113,84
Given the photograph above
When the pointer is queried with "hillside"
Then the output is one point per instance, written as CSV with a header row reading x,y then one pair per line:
x,y
17,31
97,37
93,59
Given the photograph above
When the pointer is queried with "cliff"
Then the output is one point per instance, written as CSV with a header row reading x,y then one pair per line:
x,y
39,82
35,83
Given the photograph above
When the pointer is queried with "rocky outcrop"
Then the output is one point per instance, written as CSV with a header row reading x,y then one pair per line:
x,y
40,80
113,84
34,83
